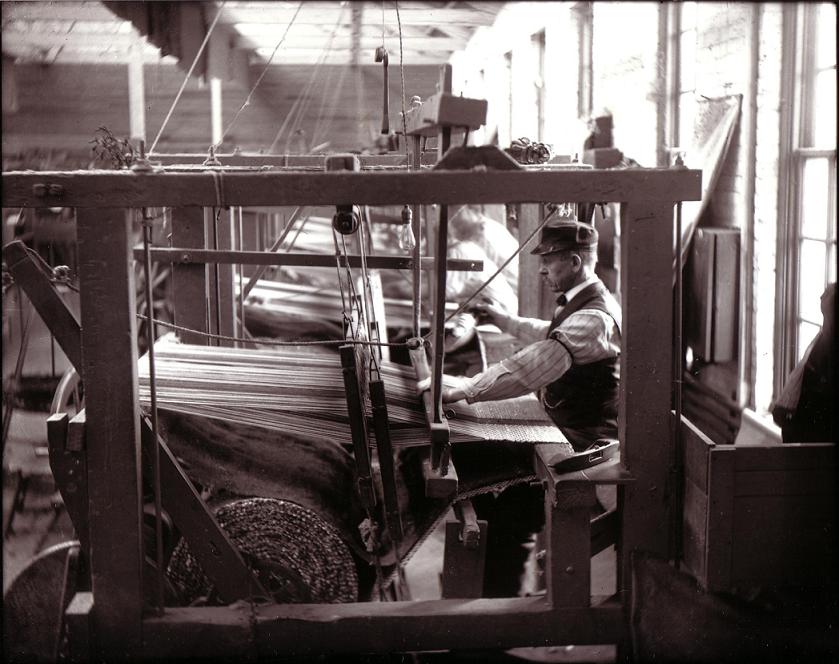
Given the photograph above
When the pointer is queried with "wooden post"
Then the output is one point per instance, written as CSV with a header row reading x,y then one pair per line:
x,y
568,533
109,351
646,376
190,281
222,308
531,286
136,89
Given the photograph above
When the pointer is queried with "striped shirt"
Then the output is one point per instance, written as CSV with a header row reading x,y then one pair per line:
x,y
586,336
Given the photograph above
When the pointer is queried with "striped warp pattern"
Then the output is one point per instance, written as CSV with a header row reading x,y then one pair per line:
x,y
300,391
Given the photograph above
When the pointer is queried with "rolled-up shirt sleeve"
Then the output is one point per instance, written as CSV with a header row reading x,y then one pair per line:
x,y
586,336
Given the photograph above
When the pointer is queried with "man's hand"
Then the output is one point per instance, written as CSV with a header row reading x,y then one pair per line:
x,y
449,393
489,312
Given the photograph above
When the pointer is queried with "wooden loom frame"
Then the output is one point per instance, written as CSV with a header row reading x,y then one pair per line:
x,y
110,622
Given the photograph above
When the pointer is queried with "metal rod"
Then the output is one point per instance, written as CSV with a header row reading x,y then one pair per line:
x,y
439,314
216,276
241,246
416,222
150,334
679,370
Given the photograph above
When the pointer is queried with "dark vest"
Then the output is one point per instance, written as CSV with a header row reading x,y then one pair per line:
x,y
586,396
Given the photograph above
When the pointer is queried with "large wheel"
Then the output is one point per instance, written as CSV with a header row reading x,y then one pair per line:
x,y
33,606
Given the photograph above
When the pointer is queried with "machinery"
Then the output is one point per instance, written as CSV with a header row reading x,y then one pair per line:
x,y
132,476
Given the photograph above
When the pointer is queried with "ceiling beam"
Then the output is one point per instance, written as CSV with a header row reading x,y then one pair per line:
x,y
318,14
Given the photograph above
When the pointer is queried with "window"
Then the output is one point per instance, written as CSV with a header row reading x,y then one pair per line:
x,y
508,92
811,226
584,18
682,71
537,43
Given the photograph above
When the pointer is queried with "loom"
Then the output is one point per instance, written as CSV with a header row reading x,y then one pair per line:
x,y
106,457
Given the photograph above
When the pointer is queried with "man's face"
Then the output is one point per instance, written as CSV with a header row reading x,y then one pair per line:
x,y
560,270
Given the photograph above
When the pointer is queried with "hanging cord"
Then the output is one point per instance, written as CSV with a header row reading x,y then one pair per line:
x,y
499,270
186,78
261,76
402,78
295,110
306,96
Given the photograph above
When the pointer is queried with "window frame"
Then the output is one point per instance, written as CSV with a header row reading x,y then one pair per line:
x,y
797,145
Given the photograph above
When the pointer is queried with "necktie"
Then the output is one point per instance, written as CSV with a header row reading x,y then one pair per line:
x,y
562,300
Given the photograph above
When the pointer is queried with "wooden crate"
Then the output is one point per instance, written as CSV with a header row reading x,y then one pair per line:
x,y
758,515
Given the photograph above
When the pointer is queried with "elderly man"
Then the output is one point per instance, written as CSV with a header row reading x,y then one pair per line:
x,y
573,363
573,360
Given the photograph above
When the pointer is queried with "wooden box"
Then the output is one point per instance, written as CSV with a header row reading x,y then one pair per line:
x,y
758,515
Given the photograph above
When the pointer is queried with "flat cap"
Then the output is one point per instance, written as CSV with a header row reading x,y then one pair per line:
x,y
564,235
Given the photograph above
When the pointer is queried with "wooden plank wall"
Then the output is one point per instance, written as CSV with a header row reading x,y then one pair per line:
x,y
61,106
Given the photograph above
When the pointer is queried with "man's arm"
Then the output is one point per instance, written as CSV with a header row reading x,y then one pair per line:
x,y
532,368
526,329
588,334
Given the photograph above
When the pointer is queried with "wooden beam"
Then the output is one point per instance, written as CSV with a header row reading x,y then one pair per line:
x,y
109,352
646,377
322,13
376,627
125,188
192,257
190,280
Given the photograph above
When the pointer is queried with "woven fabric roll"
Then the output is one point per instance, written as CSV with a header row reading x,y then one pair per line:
x,y
297,556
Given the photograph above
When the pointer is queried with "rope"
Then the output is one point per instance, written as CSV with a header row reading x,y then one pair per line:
x,y
261,76
217,182
297,107
275,342
186,78
500,269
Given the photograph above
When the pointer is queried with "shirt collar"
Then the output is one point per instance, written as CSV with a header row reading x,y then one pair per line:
x,y
572,292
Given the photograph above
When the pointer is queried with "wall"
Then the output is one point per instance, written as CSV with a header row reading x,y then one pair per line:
x,y
738,52
61,106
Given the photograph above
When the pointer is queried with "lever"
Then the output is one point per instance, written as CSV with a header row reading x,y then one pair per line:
x,y
381,56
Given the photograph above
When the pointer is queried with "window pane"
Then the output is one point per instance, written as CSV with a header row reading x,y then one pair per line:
x,y
814,190
806,333
688,17
824,110
826,37
831,263
687,112
811,279
687,61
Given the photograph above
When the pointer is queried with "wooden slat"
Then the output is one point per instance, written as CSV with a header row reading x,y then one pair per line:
x,y
697,447
720,518
808,482
384,627
429,158
791,456
128,189
695,530
190,281
109,331
646,376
